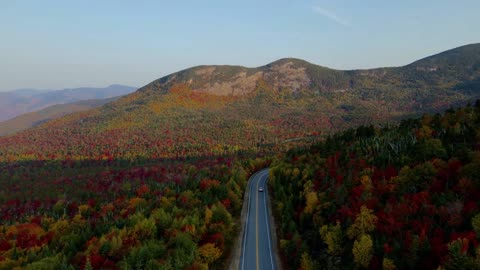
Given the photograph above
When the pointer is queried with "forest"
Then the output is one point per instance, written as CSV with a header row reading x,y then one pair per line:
x,y
117,214
155,179
392,197
385,197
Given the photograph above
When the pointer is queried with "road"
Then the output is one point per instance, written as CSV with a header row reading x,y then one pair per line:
x,y
257,251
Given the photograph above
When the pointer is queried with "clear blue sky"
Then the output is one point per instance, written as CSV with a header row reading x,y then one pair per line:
x,y
62,44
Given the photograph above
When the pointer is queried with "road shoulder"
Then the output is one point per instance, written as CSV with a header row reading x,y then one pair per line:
x,y
236,253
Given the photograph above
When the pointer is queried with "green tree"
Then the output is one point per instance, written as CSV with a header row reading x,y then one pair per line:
x,y
185,251
476,224
458,258
431,148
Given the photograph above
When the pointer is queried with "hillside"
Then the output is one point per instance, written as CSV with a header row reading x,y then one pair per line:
x,y
236,108
33,119
400,197
21,101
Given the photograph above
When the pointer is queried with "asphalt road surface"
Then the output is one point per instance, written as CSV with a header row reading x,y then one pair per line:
x,y
257,246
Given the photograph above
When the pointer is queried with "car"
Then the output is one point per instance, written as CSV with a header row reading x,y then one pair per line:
x,y
260,189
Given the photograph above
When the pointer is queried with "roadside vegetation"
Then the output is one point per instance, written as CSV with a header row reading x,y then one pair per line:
x,y
398,197
97,215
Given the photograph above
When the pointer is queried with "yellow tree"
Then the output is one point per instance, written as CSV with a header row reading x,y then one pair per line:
x,y
306,262
364,223
311,198
388,264
312,202
209,253
333,237
208,216
363,250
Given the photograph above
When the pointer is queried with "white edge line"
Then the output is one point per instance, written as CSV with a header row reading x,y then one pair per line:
x,y
246,224
246,229
266,221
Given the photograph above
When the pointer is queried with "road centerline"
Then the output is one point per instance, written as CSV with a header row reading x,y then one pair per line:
x,y
256,224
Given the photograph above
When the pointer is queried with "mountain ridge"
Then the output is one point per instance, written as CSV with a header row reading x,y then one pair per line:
x,y
203,77
206,110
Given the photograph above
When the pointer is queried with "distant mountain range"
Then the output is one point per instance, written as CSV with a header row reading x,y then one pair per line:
x,y
211,109
36,118
21,101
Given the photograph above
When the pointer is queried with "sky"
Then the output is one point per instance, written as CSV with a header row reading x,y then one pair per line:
x,y
64,44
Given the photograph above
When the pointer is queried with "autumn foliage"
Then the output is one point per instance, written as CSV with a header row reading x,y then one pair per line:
x,y
155,180
401,197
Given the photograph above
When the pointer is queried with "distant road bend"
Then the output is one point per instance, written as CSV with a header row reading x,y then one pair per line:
x,y
257,251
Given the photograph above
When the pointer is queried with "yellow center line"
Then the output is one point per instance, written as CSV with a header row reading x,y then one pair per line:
x,y
256,222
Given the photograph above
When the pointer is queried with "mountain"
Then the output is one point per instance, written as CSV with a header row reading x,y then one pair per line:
x,y
447,70
32,119
21,101
28,92
233,108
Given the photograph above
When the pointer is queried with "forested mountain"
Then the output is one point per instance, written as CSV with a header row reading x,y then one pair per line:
x,y
449,70
233,108
21,101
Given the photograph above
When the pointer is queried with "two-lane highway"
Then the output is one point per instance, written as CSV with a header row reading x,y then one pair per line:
x,y
257,251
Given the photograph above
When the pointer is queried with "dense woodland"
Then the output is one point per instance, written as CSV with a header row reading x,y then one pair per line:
x,y
401,197
87,215
396,197
155,180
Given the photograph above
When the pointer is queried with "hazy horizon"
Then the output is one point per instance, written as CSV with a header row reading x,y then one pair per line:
x,y
57,45
66,88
